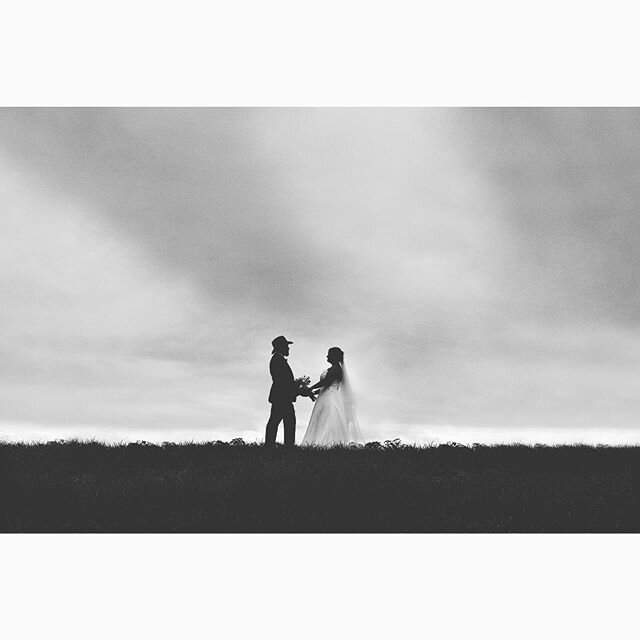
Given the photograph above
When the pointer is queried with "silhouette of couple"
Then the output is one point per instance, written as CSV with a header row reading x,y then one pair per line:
x,y
333,420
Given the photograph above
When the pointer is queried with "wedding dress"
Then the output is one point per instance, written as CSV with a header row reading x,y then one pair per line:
x,y
333,419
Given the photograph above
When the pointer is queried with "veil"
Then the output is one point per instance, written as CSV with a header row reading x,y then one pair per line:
x,y
349,402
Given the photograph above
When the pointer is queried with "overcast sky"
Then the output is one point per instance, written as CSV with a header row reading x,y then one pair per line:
x,y
479,268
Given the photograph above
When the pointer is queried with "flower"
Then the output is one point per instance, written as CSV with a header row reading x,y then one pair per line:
x,y
303,387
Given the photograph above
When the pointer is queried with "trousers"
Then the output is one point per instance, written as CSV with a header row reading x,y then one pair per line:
x,y
281,412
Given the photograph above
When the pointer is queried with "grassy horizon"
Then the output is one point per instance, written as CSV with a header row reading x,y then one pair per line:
x,y
88,486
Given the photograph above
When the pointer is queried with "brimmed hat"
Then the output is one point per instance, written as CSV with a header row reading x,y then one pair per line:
x,y
280,340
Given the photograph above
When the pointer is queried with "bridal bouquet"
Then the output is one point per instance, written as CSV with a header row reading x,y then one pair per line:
x,y
303,387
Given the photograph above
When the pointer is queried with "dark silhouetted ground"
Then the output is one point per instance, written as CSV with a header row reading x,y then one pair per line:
x,y
237,487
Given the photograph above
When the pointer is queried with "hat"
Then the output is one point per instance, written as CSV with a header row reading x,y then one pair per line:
x,y
280,340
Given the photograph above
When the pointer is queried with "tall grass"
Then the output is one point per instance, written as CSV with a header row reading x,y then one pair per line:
x,y
78,486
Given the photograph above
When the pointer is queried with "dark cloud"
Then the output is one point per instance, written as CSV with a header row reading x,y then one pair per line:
x,y
186,184
567,179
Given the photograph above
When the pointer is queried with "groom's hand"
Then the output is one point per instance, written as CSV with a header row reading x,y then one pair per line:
x,y
305,391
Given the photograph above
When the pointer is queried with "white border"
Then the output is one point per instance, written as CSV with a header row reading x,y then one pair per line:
x,y
333,586
336,52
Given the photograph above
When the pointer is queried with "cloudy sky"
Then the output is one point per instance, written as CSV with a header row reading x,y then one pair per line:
x,y
479,268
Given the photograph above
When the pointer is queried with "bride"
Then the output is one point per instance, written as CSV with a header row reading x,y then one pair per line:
x,y
333,420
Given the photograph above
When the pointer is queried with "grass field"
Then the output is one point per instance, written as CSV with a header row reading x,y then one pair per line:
x,y
383,487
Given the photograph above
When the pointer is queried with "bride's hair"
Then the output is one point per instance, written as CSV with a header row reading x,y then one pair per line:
x,y
338,352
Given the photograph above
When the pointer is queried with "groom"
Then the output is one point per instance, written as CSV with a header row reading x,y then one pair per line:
x,y
284,391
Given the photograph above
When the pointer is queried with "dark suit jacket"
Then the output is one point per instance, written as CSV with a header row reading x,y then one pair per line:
x,y
284,388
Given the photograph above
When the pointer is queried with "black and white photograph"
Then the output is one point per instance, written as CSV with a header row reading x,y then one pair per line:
x,y
319,321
